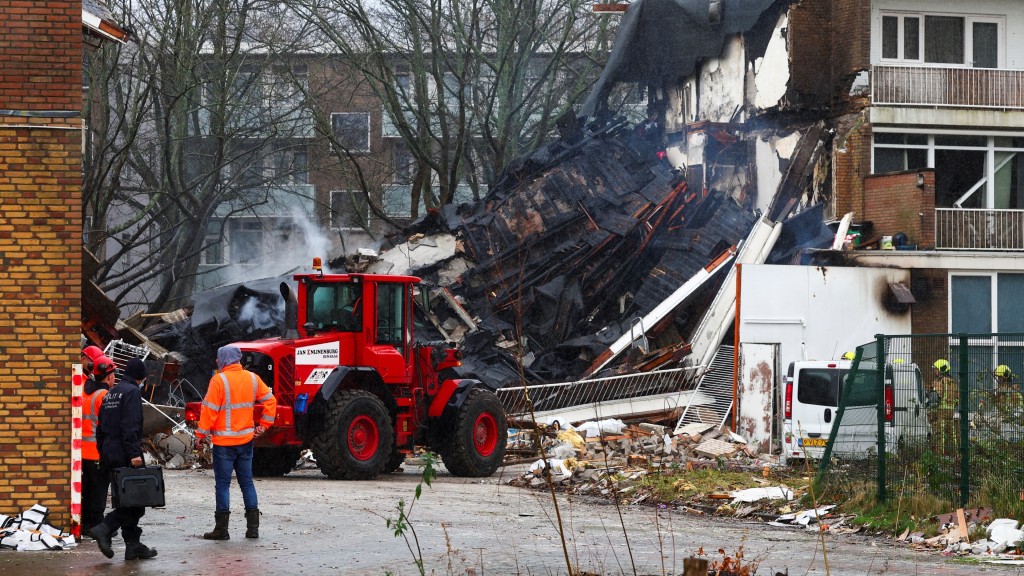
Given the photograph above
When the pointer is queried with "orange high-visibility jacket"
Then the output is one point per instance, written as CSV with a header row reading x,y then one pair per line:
x,y
228,407
90,421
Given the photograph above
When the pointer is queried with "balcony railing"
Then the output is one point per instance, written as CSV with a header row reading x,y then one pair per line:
x,y
979,229
954,87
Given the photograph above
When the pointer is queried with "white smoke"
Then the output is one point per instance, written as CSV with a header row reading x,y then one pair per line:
x,y
260,314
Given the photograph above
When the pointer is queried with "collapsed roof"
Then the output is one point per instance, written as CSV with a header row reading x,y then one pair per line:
x,y
661,41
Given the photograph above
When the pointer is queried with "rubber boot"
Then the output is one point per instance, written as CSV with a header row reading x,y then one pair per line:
x,y
138,551
252,523
220,530
101,534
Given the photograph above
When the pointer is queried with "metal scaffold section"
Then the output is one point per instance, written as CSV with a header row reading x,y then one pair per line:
x,y
632,395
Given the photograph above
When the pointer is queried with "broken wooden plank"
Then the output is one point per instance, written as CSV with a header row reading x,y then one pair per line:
x,y
457,308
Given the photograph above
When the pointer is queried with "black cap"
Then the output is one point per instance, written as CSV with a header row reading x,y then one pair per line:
x,y
136,369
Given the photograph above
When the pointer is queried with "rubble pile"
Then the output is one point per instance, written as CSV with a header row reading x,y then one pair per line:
x,y
1002,542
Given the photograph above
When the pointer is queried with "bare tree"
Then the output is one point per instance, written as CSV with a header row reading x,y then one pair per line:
x,y
200,120
467,84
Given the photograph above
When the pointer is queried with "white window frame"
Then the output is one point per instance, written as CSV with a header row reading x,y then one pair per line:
x,y
989,187
330,199
994,343
369,130
210,238
969,21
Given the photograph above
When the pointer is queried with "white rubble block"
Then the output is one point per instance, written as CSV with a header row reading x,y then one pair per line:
x,y
714,448
734,437
560,468
694,429
806,517
1004,531
595,429
767,493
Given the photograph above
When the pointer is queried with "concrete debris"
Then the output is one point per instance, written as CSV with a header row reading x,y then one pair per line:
x,y
30,531
1003,543
175,451
756,494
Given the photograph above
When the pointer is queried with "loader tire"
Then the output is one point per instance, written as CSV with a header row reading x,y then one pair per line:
x,y
475,444
395,462
356,438
274,461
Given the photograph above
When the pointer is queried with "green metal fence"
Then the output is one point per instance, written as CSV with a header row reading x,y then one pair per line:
x,y
941,413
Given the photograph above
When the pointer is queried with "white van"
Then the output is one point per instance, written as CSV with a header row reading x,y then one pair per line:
x,y
811,392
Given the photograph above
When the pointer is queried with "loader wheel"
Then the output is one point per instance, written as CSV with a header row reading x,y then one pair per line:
x,y
274,461
356,439
475,445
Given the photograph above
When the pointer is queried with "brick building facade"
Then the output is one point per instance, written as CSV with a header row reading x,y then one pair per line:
x,y
40,250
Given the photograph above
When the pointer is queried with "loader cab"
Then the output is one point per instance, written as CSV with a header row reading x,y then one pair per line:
x,y
368,317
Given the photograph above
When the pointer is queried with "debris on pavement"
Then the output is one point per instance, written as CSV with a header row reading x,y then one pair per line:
x,y
30,531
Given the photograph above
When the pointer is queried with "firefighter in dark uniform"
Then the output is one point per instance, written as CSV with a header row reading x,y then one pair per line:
x,y
119,438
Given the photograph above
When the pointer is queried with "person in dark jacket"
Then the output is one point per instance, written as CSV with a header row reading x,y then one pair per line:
x,y
119,438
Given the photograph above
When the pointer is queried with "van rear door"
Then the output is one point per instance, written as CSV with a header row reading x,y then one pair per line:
x,y
815,401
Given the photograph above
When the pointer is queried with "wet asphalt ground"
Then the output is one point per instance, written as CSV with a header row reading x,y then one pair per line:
x,y
312,525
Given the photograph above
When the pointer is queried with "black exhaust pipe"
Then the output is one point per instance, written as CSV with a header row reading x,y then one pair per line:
x,y
291,312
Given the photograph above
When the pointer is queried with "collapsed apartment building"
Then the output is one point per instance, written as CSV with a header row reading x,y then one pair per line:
x,y
811,173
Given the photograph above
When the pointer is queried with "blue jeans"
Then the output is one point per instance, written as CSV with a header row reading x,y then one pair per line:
x,y
239,459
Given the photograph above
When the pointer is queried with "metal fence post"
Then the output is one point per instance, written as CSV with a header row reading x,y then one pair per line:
x,y
880,410
964,389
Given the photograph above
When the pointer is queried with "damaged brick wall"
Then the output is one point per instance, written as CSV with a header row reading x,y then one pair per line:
x,y
851,158
895,203
40,251
930,289
844,49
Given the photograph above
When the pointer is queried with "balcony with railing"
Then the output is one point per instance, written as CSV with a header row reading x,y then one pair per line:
x,y
952,87
979,229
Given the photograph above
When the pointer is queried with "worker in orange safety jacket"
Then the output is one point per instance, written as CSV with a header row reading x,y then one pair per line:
x,y
95,482
227,417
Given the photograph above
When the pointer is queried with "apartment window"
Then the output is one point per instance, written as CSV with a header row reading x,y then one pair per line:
x,y
246,242
291,165
352,130
971,170
404,164
213,244
942,39
349,210
988,304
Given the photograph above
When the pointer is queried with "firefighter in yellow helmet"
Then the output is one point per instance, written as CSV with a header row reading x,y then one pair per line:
x,y
849,355
1007,396
946,395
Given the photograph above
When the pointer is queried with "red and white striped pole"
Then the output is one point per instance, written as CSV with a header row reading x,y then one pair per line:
x,y
77,390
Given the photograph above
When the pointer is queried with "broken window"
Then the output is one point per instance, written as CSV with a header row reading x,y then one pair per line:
x,y
942,39
963,164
